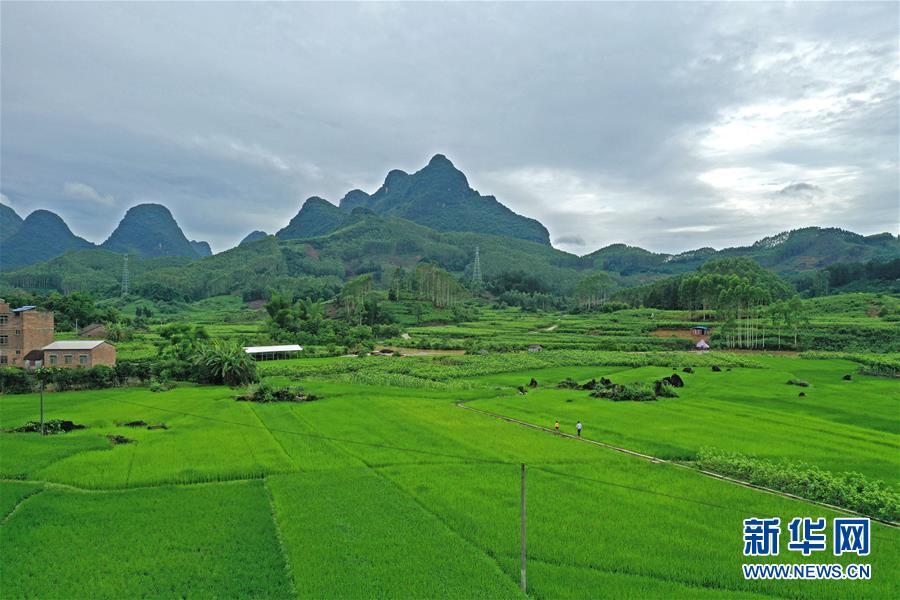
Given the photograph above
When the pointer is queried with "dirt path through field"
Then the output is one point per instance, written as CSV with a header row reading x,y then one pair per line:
x,y
656,459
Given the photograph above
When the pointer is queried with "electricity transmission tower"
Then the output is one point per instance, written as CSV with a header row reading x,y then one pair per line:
x,y
476,271
124,275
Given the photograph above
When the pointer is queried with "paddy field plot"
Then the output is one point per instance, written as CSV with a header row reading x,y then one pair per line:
x,y
393,491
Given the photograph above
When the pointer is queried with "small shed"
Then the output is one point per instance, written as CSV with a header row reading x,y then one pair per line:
x,y
73,354
700,330
535,348
273,352
702,345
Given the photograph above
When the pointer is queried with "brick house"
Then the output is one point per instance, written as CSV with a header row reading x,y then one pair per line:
x,y
83,354
24,332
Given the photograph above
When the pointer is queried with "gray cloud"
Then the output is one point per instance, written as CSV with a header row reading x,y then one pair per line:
x,y
669,126
570,240
800,188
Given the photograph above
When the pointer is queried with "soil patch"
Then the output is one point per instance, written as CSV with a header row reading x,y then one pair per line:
x,y
799,382
51,427
119,439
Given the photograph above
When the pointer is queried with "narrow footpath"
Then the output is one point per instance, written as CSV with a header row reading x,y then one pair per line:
x,y
680,465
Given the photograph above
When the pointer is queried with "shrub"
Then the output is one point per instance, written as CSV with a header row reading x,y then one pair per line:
x,y
15,381
618,392
225,363
847,490
51,427
161,385
265,393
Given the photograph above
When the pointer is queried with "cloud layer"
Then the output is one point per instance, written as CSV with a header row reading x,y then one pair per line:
x,y
669,126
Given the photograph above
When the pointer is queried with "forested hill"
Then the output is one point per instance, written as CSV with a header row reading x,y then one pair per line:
x,y
368,243
438,196
42,235
9,222
150,231
785,253
147,231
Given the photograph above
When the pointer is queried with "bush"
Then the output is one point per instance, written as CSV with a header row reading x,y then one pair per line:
x,y
847,490
265,393
16,381
225,363
618,392
51,427
161,385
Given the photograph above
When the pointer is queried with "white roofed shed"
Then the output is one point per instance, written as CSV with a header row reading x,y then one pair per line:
x,y
273,352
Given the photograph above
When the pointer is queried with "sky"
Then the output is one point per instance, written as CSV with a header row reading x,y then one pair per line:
x,y
669,126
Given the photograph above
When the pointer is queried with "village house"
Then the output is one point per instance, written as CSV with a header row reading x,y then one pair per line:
x,y
24,331
701,330
75,354
26,341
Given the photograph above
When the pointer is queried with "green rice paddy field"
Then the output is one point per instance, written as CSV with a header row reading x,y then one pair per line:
x,y
386,487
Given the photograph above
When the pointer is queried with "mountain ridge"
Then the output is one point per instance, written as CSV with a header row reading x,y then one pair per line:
x,y
439,196
42,235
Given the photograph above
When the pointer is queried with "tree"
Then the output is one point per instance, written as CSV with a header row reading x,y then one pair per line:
x,y
225,363
181,341
418,311
353,297
593,290
438,286
795,316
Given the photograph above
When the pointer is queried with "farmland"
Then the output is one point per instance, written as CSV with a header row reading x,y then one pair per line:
x,y
386,487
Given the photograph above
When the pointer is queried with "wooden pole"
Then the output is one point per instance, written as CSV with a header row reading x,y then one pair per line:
x,y
42,407
522,581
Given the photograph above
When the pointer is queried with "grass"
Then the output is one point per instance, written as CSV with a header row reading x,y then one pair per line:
x,y
160,542
839,425
383,490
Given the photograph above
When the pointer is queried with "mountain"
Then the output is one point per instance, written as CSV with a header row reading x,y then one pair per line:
x,y
817,247
314,267
41,236
9,221
785,253
355,199
149,230
201,249
253,236
438,196
317,217
366,242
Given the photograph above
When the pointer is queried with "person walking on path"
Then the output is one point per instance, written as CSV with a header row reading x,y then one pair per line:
x,y
557,426
578,427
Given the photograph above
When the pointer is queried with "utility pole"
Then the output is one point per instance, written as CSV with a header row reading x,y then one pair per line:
x,y
476,271
43,432
522,581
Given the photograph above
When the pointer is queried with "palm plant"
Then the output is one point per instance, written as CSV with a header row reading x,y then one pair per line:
x,y
225,363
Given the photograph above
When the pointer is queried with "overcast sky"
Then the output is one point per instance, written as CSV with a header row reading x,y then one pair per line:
x,y
668,126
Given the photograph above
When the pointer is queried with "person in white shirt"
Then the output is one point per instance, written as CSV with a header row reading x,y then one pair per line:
x,y
578,427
